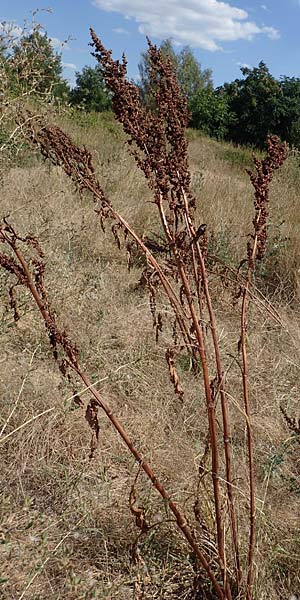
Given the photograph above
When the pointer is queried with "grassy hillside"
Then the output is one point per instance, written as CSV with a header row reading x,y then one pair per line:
x,y
66,527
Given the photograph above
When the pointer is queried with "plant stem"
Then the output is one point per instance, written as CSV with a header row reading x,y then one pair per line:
x,y
251,261
224,403
210,403
179,516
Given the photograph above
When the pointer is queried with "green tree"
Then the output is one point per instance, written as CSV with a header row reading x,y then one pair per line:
x,y
2,47
90,91
4,64
289,122
255,101
192,78
37,67
211,113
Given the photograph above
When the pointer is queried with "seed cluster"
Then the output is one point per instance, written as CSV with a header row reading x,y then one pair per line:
x,y
156,136
276,155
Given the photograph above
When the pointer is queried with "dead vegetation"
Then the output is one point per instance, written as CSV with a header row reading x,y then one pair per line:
x,y
96,528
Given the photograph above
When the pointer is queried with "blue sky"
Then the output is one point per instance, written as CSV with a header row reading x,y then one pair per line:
x,y
223,35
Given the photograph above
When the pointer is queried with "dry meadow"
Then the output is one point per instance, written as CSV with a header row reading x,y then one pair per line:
x,y
66,526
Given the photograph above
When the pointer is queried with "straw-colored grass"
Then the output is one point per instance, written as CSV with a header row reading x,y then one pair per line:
x,y
66,527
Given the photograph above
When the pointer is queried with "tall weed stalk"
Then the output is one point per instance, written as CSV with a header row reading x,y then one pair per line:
x,y
157,141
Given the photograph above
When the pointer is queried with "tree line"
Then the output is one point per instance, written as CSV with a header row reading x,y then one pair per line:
x,y
244,111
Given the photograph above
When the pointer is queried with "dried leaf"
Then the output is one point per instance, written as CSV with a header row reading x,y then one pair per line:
x,y
138,511
129,255
159,326
173,373
114,229
13,302
91,416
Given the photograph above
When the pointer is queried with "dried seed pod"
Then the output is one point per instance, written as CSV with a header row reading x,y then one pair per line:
x,y
170,354
91,416
276,155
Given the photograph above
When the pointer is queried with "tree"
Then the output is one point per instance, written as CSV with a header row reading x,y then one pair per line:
x,y
36,66
5,71
90,90
188,71
289,126
211,113
256,102
191,77
2,47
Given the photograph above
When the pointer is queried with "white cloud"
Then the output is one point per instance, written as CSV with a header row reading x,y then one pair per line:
x,y
121,31
271,32
200,23
69,66
58,44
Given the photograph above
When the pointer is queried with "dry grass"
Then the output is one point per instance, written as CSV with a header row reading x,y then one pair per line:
x,y
50,492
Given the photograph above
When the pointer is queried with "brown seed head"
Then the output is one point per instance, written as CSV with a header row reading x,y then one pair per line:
x,y
261,179
156,137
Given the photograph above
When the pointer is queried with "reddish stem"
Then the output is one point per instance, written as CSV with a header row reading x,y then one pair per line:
x,y
180,518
